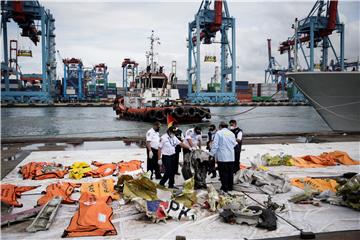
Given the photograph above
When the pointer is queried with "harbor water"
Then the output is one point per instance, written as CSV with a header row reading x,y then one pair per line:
x,y
102,121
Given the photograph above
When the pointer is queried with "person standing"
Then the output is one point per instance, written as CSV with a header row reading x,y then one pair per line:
x,y
223,151
192,139
211,163
152,145
179,135
238,135
166,155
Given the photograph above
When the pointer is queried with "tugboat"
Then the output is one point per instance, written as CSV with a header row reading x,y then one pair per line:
x,y
152,96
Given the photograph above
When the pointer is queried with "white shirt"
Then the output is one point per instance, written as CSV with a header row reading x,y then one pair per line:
x,y
239,136
223,145
153,137
168,144
190,134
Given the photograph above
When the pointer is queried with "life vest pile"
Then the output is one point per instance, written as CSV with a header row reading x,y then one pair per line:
x,y
10,193
79,170
323,160
42,170
103,170
93,218
61,189
131,166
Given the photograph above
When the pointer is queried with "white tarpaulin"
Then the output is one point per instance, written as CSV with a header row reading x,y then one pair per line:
x,y
130,224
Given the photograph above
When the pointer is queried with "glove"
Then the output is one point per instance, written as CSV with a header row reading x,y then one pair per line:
x,y
160,162
151,155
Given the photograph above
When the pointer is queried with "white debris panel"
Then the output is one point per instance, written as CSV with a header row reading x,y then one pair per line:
x,y
131,224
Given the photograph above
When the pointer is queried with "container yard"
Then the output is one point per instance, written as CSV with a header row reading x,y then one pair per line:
x,y
180,120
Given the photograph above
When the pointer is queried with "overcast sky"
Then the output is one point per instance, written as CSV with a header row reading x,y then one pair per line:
x,y
108,32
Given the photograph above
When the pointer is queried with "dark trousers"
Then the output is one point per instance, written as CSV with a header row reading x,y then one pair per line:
x,y
237,151
226,175
152,164
177,155
169,164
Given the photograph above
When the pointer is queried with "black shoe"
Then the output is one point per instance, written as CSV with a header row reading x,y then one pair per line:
x,y
177,173
158,177
173,187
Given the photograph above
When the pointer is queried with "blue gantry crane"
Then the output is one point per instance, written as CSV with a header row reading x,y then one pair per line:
x,y
25,14
129,66
203,29
73,84
277,74
315,30
100,76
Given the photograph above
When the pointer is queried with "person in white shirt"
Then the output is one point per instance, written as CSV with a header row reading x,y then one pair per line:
x,y
192,138
166,155
152,146
239,136
223,151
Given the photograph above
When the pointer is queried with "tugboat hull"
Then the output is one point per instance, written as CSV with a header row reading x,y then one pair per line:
x,y
183,114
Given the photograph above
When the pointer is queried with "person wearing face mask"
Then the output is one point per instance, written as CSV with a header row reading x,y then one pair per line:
x,y
152,145
211,164
238,135
166,155
192,139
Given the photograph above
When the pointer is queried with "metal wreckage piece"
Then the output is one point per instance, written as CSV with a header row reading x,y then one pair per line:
x,y
236,211
20,216
46,216
158,210
198,161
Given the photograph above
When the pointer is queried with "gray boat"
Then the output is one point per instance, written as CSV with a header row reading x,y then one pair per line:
x,y
334,95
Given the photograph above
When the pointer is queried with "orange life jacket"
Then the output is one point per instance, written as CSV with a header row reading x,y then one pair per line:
x,y
103,170
92,219
10,193
102,188
324,159
341,157
315,184
62,189
130,166
42,170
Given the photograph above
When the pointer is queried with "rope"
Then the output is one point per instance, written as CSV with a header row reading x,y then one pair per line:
x,y
327,108
238,113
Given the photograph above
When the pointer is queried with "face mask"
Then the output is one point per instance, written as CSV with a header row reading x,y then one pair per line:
x,y
198,133
211,129
232,127
157,129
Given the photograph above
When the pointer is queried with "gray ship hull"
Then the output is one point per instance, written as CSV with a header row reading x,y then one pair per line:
x,y
334,95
